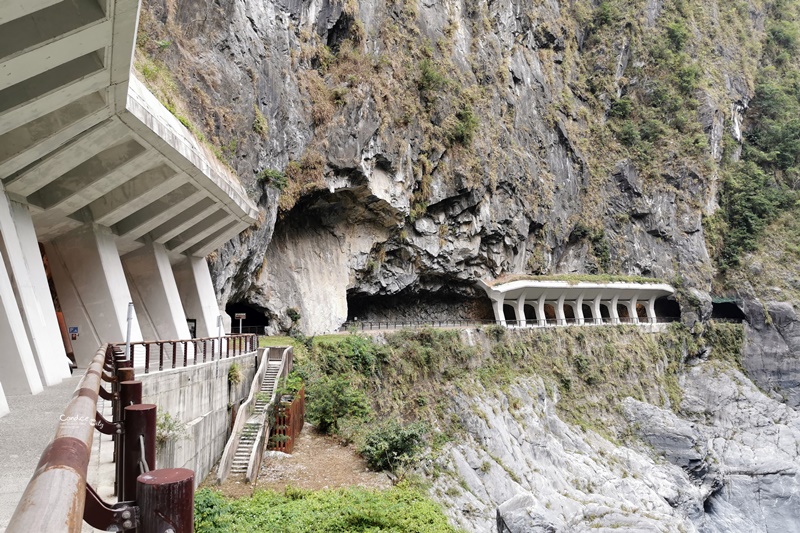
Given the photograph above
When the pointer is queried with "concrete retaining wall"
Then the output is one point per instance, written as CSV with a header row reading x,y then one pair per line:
x,y
200,397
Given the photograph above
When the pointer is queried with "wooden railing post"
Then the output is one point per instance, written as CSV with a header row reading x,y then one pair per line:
x,y
140,434
166,501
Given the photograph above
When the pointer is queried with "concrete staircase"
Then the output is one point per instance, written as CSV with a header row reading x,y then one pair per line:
x,y
248,438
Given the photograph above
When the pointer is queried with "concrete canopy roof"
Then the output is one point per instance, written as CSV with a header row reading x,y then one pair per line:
x,y
553,290
83,141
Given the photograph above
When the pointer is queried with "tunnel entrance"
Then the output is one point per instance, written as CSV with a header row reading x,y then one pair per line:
x,y
254,322
420,307
726,309
668,308
509,314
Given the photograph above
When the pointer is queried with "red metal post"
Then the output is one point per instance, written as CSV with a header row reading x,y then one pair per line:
x,y
161,356
166,501
147,358
140,421
174,355
205,350
185,355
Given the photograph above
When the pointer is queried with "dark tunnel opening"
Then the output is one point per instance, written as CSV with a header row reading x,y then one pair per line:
x,y
254,321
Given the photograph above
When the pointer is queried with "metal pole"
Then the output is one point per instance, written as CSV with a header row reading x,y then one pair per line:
x,y
166,501
219,334
240,326
128,336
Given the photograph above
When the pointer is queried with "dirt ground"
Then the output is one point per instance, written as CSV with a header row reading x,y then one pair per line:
x,y
317,462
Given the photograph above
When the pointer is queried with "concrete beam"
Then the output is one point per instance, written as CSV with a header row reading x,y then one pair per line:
x,y
26,65
210,225
23,145
19,374
217,239
135,194
190,218
150,274
93,179
156,213
197,294
20,109
15,9
92,289
77,151
57,23
24,266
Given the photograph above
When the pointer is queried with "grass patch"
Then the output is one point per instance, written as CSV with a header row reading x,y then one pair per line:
x,y
402,509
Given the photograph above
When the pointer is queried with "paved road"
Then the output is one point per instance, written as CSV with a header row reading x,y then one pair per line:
x,y
24,434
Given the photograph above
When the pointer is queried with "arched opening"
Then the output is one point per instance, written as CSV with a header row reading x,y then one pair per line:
x,y
509,314
667,307
254,320
726,310
550,312
587,312
605,314
530,312
641,311
569,312
622,311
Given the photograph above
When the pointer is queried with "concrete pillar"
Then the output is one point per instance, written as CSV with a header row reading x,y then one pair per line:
x,y
149,271
612,309
561,319
540,309
197,294
651,310
579,318
597,315
499,317
23,262
631,305
4,410
19,374
94,296
521,311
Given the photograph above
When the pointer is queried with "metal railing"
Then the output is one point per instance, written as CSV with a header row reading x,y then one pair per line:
x,y
181,353
58,497
528,323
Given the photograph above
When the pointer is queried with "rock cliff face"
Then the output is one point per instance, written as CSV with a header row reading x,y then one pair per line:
x,y
420,146
729,463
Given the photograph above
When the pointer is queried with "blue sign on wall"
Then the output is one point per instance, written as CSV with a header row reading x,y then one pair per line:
x,y
73,329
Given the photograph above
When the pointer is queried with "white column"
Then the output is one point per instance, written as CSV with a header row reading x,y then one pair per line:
x,y
561,319
197,294
92,289
597,314
579,318
497,306
23,262
521,311
4,410
651,310
540,309
612,310
150,274
631,304
19,374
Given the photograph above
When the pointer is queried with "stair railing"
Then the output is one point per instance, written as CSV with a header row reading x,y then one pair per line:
x,y
245,410
265,426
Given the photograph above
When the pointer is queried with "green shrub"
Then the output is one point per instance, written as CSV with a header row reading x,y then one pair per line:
x,y
332,397
465,127
354,352
430,78
621,108
168,428
390,445
273,177
678,34
628,134
211,512
235,374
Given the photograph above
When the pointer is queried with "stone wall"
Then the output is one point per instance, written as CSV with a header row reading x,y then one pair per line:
x,y
200,397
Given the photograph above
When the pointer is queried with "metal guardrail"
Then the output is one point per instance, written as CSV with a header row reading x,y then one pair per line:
x,y
528,323
58,497
182,353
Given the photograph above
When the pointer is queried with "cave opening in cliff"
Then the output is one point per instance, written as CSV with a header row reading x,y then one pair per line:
x,y
509,314
416,307
667,307
587,312
254,321
530,312
605,314
726,309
